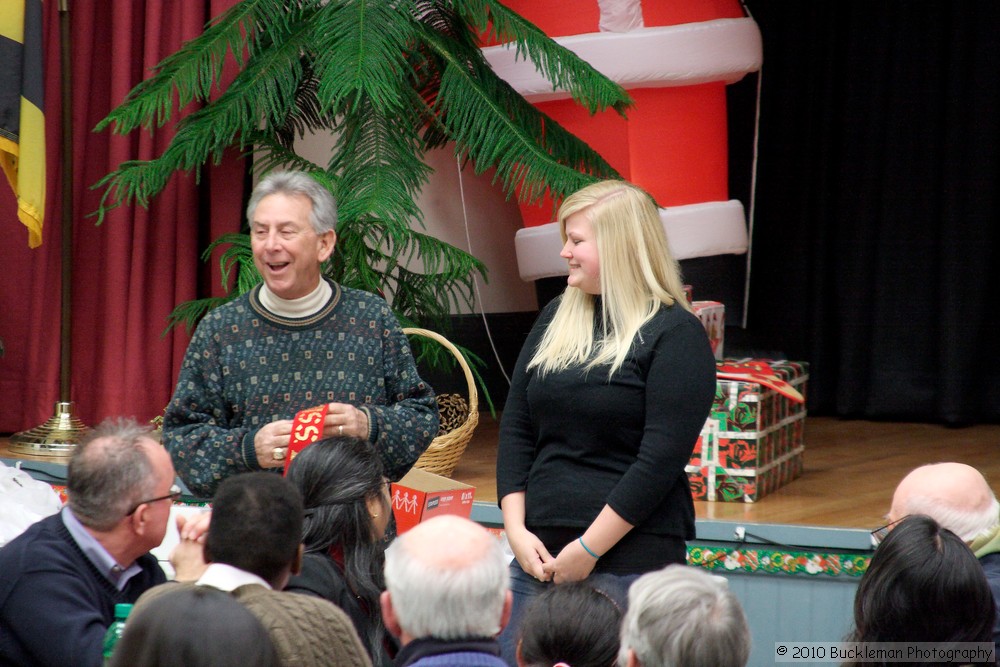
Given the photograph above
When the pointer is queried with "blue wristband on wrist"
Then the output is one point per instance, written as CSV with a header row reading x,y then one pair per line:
x,y
586,548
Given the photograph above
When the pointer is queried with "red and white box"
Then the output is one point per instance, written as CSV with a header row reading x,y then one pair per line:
x,y
753,440
420,495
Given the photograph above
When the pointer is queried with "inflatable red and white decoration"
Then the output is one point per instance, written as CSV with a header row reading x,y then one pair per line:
x,y
675,58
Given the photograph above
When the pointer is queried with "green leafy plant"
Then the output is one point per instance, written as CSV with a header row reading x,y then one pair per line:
x,y
390,81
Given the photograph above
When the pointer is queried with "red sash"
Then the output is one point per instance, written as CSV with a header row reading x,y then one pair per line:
x,y
307,428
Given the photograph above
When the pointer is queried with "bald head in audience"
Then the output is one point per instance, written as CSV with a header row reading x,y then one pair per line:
x,y
960,499
955,495
446,585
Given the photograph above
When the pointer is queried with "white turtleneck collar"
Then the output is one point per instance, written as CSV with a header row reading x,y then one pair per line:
x,y
305,306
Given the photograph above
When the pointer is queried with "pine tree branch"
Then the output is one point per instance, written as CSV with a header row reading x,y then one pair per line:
x,y
495,126
566,70
193,72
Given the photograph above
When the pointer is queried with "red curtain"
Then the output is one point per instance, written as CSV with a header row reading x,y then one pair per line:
x,y
129,273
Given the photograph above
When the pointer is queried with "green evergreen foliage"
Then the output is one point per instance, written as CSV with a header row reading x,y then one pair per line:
x,y
389,80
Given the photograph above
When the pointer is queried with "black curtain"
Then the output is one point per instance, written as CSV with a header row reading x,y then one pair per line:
x,y
877,225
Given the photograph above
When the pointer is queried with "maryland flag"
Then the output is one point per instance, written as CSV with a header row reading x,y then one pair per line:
x,y
22,122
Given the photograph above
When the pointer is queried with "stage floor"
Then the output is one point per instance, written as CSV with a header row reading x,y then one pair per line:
x,y
851,469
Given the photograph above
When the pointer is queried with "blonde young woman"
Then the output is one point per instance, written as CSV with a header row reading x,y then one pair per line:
x,y
610,392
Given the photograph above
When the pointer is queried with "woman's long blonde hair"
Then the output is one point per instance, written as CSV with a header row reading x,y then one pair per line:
x,y
638,275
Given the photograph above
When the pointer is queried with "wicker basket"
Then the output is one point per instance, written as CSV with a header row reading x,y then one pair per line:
x,y
458,417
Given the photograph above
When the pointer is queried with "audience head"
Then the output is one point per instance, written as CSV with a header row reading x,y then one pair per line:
x,y
120,477
323,217
347,508
344,493
257,526
923,584
572,623
197,626
682,616
955,495
445,578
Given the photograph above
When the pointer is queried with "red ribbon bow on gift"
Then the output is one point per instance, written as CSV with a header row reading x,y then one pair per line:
x,y
759,372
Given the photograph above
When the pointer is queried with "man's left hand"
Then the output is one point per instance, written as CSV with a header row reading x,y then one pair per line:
x,y
345,419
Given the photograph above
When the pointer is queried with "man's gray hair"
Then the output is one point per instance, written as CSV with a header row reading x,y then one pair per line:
x,y
968,524
109,473
447,603
323,216
682,616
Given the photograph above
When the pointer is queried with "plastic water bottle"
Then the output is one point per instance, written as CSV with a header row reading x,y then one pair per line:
x,y
115,630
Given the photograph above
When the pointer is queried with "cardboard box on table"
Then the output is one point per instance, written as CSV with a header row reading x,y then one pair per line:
x,y
753,440
420,495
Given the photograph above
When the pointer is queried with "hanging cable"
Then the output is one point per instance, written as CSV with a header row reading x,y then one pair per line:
x,y
475,280
753,185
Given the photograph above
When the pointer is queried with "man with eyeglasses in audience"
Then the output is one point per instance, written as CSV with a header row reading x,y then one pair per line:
x,y
61,579
960,499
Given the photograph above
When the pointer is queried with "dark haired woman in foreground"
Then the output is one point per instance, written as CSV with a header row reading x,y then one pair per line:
x,y
347,509
923,585
573,624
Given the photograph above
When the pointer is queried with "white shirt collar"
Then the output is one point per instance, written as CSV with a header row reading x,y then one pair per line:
x,y
228,578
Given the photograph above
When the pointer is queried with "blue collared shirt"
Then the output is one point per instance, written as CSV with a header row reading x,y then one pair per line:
x,y
104,562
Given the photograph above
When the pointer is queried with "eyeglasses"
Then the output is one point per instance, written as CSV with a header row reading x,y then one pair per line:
x,y
175,493
879,533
